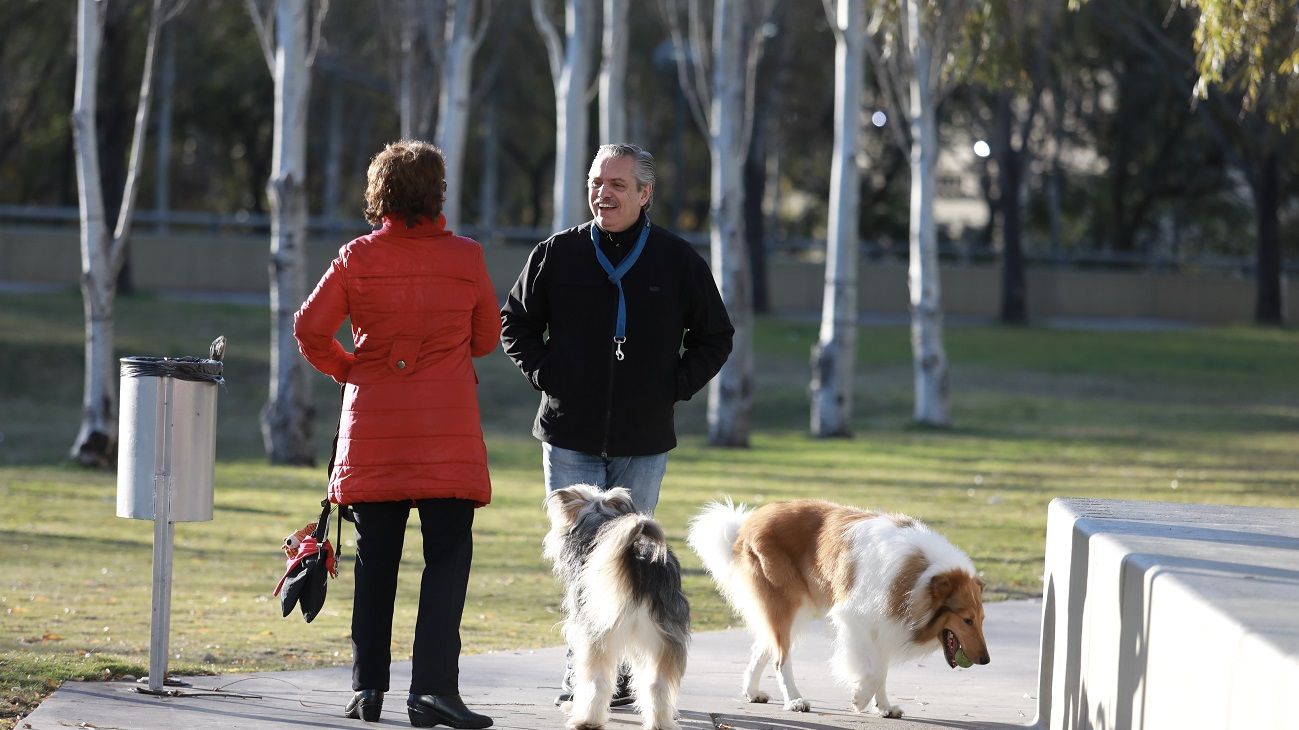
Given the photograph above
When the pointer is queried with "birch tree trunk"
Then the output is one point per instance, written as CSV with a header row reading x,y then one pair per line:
x,y
453,101
730,394
928,356
834,354
101,253
570,70
286,418
97,437
613,74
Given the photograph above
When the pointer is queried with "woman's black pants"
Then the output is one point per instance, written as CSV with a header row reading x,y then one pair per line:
x,y
448,550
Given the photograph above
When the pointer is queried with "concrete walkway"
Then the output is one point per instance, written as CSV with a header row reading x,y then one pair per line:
x,y
517,690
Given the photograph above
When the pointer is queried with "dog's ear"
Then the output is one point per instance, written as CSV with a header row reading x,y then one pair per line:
x,y
620,499
564,505
940,587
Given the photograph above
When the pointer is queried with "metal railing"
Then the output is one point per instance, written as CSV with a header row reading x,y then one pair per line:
x,y
247,223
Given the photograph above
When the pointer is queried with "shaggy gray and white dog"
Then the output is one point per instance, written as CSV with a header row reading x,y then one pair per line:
x,y
623,600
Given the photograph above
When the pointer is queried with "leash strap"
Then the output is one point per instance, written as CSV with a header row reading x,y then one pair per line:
x,y
615,276
344,512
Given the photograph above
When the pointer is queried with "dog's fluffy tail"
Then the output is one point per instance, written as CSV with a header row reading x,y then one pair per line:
x,y
712,536
607,568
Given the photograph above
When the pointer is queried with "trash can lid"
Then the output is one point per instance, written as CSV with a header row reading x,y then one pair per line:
x,y
197,369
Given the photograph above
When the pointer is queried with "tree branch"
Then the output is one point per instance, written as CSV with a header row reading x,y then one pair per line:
x,y
1038,72
317,32
433,17
753,58
832,18
126,211
554,47
889,82
261,24
695,100
699,46
483,22
1179,56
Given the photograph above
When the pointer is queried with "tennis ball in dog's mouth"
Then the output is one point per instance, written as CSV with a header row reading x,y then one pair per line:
x,y
962,660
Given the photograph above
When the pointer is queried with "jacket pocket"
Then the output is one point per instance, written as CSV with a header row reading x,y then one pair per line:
x,y
547,379
404,355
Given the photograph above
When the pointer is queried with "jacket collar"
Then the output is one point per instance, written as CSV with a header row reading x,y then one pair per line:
x,y
396,226
625,237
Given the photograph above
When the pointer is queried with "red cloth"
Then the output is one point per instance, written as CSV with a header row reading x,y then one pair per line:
x,y
306,550
422,306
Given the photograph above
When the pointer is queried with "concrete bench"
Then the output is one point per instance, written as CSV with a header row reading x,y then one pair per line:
x,y
1161,615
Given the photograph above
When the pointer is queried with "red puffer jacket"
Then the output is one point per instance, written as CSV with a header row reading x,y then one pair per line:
x,y
421,305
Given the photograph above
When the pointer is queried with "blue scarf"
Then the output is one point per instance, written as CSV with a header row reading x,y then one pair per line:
x,y
615,276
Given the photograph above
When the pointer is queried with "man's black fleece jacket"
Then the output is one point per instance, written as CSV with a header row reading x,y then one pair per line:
x,y
558,322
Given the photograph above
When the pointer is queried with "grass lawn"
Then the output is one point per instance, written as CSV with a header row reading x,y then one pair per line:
x,y
1204,415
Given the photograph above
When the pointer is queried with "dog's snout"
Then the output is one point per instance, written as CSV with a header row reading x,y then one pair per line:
x,y
985,659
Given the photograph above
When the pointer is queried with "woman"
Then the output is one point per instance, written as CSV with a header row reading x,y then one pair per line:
x,y
421,307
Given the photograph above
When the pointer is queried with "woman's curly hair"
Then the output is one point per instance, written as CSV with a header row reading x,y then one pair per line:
x,y
406,180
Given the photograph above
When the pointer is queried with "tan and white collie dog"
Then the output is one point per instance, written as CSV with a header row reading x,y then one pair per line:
x,y
891,587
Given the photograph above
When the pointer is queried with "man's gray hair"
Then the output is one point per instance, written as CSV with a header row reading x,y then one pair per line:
x,y
642,167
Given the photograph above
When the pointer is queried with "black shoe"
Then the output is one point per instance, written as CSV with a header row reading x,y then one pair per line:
x,y
449,710
366,705
622,690
622,695
566,684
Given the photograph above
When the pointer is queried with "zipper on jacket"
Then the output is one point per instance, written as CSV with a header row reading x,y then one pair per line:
x,y
608,403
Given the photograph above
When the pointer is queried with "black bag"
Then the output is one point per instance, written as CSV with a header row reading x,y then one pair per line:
x,y
306,577
306,580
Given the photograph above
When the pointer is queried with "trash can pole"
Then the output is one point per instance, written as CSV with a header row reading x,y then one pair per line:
x,y
163,532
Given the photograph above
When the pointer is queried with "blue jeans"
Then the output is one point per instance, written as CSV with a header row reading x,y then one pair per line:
x,y
641,475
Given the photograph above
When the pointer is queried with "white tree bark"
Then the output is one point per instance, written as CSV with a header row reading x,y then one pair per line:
x,y
834,354
928,356
724,111
613,74
730,394
570,70
462,42
286,418
101,253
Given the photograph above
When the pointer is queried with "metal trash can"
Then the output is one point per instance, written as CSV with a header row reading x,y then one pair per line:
x,y
167,428
166,441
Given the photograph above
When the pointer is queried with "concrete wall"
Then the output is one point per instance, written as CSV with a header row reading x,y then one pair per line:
x,y
1159,615
212,263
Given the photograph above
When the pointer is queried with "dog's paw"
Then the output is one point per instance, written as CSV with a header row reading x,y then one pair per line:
x,y
893,713
860,700
566,707
798,704
757,696
577,724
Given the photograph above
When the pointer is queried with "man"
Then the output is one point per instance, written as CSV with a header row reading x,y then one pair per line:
x,y
614,321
